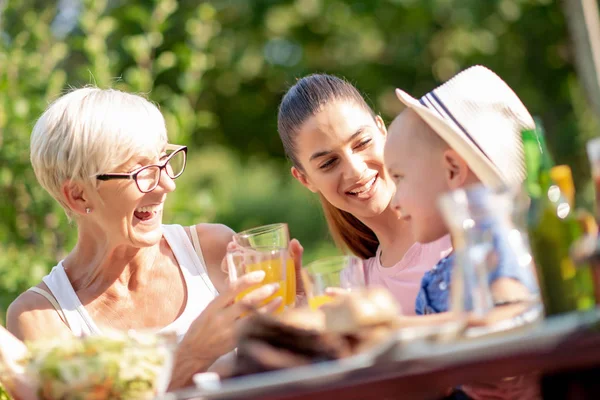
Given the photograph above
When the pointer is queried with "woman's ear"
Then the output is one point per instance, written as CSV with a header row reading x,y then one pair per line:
x,y
75,197
301,177
381,125
456,169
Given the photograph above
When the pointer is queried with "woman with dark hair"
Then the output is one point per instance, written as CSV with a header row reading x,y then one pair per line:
x,y
335,142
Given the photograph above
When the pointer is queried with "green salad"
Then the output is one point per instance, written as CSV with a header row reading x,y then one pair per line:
x,y
116,366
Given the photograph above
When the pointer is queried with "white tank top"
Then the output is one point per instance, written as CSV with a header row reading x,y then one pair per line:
x,y
200,289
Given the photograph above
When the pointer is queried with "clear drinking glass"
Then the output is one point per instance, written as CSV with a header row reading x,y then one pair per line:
x,y
273,235
271,260
331,273
488,245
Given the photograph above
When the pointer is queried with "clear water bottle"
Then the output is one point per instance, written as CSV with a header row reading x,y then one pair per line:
x,y
493,263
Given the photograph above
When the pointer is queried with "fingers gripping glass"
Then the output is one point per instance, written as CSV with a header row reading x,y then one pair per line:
x,y
147,177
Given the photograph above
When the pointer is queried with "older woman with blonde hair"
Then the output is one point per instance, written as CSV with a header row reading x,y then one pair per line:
x,y
104,156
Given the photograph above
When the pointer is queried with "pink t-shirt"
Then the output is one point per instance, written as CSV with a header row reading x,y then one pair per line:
x,y
403,280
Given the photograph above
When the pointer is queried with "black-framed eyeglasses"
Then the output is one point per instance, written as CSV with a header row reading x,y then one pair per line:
x,y
148,176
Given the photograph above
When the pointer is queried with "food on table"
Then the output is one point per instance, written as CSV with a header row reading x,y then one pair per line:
x,y
304,318
358,310
118,365
350,324
268,344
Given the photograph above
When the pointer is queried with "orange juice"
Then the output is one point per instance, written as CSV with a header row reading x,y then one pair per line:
x,y
291,283
315,302
273,273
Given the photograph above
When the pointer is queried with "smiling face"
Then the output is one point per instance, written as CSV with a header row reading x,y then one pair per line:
x,y
90,132
120,213
417,161
340,151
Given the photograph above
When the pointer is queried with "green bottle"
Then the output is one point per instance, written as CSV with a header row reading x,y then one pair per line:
x,y
553,228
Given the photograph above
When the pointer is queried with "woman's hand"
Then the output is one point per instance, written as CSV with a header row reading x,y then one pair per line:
x,y
21,388
216,325
213,333
16,383
296,250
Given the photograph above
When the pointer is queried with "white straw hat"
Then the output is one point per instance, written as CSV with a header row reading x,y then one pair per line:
x,y
481,118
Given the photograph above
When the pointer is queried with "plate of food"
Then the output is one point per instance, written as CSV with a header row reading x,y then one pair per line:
x,y
123,365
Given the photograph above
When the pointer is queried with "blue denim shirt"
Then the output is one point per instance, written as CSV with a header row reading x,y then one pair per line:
x,y
434,294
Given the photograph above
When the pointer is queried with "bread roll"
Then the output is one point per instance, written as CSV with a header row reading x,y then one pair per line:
x,y
304,318
361,309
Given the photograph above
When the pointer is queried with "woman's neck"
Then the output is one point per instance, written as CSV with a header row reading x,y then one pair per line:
x,y
393,234
98,264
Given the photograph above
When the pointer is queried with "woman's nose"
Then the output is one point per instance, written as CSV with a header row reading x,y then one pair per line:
x,y
355,168
166,183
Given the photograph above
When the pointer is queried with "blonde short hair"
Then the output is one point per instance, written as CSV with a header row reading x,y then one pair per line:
x,y
91,131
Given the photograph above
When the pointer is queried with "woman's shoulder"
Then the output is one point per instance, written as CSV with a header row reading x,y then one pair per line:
x,y
31,316
214,239
215,232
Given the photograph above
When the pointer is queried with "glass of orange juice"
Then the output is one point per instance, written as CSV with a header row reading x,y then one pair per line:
x,y
273,235
333,273
271,260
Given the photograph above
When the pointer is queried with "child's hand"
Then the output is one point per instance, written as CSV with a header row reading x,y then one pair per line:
x,y
498,314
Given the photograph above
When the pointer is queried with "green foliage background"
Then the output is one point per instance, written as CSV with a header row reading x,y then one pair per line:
x,y
218,70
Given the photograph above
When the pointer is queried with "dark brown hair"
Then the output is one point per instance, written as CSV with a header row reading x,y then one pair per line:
x,y
303,100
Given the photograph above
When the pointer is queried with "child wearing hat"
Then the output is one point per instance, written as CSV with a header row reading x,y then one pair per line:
x,y
465,132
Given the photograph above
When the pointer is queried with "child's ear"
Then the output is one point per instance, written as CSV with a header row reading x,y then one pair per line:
x,y
301,177
456,169
381,125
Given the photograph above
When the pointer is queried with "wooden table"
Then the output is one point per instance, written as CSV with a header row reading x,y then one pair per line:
x,y
565,350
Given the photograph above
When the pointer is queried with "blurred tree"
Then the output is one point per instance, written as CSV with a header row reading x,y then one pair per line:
x,y
218,70
33,230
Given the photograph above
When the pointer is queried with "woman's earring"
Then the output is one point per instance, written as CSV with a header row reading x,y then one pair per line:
x,y
88,210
